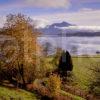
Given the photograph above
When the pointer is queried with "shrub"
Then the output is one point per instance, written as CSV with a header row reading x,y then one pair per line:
x,y
71,79
54,84
95,81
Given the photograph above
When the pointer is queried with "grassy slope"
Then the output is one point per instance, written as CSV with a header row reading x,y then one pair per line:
x,y
7,94
82,70
71,95
16,94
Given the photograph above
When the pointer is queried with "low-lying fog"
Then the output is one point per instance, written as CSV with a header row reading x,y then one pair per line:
x,y
75,45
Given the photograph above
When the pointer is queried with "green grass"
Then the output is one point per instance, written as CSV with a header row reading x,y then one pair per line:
x,y
16,94
71,95
82,70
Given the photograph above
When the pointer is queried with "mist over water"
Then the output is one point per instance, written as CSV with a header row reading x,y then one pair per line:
x,y
75,45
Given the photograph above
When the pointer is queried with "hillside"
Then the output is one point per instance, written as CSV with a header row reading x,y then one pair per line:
x,y
15,94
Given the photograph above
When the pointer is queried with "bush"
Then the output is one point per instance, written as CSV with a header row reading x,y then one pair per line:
x,y
70,79
95,81
54,84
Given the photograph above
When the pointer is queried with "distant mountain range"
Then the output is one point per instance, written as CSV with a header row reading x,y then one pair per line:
x,y
67,29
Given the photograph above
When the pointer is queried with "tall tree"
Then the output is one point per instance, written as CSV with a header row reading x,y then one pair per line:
x,y
19,26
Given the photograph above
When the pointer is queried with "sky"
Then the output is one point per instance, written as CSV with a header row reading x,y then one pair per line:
x,y
43,12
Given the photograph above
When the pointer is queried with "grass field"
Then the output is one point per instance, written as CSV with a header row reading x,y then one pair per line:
x,y
71,95
82,70
15,94
18,94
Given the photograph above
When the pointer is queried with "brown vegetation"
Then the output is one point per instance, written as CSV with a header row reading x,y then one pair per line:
x,y
23,67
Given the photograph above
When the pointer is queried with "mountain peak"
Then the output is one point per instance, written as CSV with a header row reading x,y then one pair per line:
x,y
62,24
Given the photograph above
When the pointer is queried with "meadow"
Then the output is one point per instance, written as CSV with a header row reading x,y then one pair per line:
x,y
81,72
82,66
15,94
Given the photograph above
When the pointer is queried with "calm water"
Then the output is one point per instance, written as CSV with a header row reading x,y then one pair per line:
x,y
75,45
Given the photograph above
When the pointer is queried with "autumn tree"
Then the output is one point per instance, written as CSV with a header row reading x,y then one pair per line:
x,y
19,26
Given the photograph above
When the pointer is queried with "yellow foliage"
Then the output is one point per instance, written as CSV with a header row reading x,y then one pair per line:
x,y
19,27
54,84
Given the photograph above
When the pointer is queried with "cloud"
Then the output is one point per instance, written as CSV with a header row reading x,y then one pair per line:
x,y
85,1
82,28
2,20
40,23
84,18
48,3
38,4
88,1
86,9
